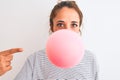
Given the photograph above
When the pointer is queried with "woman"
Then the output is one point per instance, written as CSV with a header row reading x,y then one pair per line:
x,y
65,15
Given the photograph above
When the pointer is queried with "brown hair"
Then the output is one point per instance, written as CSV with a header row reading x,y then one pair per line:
x,y
57,7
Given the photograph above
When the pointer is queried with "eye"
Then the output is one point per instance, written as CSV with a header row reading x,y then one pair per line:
x,y
74,25
60,25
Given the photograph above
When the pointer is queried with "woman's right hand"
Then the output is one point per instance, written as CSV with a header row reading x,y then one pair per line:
x,y
5,59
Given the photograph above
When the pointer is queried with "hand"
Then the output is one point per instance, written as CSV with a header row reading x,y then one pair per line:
x,y
5,59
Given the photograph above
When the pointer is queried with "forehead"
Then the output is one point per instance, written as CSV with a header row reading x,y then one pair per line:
x,y
67,14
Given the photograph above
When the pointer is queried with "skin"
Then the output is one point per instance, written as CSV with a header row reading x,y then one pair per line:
x,y
6,58
66,18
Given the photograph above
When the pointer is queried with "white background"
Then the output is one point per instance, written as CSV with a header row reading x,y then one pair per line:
x,y
25,24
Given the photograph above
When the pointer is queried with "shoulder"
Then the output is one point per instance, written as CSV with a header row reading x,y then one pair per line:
x,y
37,53
88,54
89,57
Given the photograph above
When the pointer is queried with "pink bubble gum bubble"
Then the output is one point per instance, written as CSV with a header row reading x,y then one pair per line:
x,y
64,48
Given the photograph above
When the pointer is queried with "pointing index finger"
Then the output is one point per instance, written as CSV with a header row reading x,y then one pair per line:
x,y
11,51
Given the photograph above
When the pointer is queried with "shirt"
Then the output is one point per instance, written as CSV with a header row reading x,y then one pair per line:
x,y
38,67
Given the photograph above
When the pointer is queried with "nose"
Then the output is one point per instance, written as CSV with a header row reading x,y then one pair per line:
x,y
68,27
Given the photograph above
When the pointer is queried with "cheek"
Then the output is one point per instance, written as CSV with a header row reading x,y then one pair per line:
x,y
54,29
76,29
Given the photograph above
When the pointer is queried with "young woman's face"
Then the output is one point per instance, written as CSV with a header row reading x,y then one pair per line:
x,y
66,18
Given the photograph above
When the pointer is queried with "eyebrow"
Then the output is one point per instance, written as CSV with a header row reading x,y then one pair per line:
x,y
74,22
63,21
60,21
